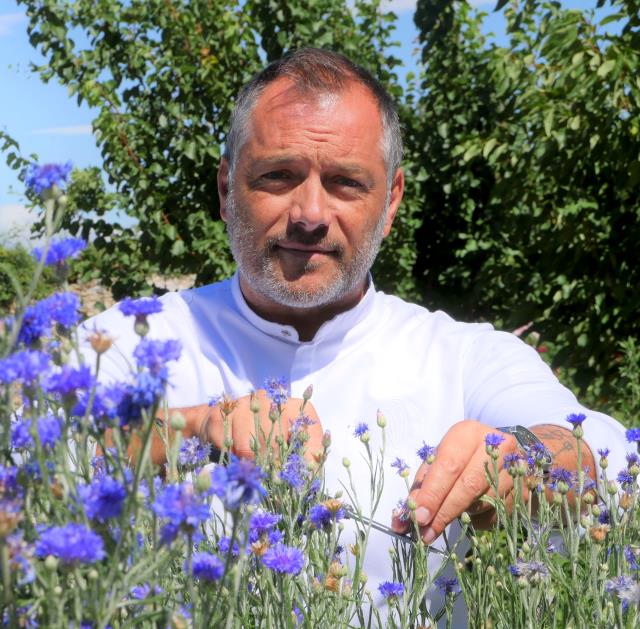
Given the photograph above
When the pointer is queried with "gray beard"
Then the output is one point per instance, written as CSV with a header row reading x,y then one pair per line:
x,y
258,269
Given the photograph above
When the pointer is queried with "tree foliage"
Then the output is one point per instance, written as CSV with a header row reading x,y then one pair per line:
x,y
523,160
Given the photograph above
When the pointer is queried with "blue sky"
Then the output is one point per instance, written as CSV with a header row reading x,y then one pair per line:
x,y
46,121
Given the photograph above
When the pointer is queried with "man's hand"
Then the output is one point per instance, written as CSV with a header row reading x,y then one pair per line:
x,y
456,479
208,423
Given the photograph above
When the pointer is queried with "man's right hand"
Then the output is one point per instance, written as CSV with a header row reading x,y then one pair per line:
x,y
207,422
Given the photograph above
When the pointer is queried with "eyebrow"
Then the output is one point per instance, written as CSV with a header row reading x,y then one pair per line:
x,y
283,160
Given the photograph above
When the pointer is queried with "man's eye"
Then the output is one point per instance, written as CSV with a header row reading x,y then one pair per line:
x,y
347,182
276,175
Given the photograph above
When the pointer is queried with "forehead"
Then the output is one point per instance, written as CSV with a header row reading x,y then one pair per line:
x,y
345,123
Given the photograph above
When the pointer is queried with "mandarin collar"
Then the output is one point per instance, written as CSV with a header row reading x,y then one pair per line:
x,y
334,327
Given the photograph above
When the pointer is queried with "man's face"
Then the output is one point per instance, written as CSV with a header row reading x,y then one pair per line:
x,y
308,205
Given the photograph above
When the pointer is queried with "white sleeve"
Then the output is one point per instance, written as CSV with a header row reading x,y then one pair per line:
x,y
507,383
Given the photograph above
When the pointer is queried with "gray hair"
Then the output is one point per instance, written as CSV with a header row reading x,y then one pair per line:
x,y
315,71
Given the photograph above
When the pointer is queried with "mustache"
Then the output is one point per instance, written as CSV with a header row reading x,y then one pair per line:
x,y
296,234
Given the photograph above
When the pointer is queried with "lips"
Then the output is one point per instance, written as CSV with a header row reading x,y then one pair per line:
x,y
296,248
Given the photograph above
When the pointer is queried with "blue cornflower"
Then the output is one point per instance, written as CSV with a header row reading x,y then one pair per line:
x,y
20,553
64,309
603,452
49,432
448,586
632,555
632,459
633,435
625,477
512,460
36,323
103,499
9,487
576,419
71,543
182,506
401,467
532,570
604,517
193,452
60,251
426,452
284,559
493,440
320,516
361,429
68,380
243,483
390,590
140,308
42,177
206,566
261,522
277,390
223,546
295,471
561,479
626,589
25,366
155,354
105,406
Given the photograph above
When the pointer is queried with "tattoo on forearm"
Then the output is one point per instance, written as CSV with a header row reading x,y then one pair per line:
x,y
556,439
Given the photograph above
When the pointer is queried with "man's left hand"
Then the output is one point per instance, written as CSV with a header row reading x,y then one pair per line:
x,y
456,480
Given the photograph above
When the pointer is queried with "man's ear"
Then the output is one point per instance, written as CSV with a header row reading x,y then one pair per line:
x,y
223,187
397,191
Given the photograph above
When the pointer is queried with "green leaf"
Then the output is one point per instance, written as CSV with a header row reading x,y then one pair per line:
x,y
606,67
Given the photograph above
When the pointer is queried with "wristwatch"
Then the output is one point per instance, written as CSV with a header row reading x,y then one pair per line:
x,y
527,440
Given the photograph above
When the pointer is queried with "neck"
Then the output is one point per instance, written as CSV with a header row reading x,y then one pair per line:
x,y
306,321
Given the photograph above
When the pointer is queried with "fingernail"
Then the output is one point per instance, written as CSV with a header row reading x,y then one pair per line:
x,y
423,516
429,536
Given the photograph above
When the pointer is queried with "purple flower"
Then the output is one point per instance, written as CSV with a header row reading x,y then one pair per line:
x,y
61,251
20,554
401,467
284,559
64,309
295,472
604,517
181,506
361,429
532,570
561,479
224,544
512,460
239,483
26,366
155,354
633,435
426,452
71,543
42,177
106,403
493,440
576,419
625,477
603,452
277,390
9,487
448,586
391,590
261,522
49,432
36,323
68,380
103,499
632,555
632,459
140,308
193,452
626,588
206,566
320,515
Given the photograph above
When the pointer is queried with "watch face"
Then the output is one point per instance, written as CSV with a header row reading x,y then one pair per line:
x,y
527,440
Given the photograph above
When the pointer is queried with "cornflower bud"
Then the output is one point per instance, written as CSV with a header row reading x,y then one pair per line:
x,y
612,488
57,590
274,412
491,571
589,498
93,575
100,342
203,481
326,439
346,462
51,563
465,518
228,443
634,470
307,393
411,504
178,421
526,548
254,403
381,419
599,533
596,510
626,500
578,432
557,498
338,494
585,521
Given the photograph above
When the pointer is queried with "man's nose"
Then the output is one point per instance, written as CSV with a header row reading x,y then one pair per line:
x,y
310,208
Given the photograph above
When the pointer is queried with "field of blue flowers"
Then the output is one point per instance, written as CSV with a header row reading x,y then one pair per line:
x,y
92,534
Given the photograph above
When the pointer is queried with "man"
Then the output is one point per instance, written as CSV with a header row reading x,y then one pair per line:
x,y
309,185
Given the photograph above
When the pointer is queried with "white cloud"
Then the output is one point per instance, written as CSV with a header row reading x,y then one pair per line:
x,y
81,129
9,20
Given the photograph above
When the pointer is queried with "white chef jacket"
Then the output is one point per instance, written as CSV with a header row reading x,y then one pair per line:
x,y
422,369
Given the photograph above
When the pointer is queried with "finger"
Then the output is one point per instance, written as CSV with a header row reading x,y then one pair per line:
x,y
400,521
457,448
